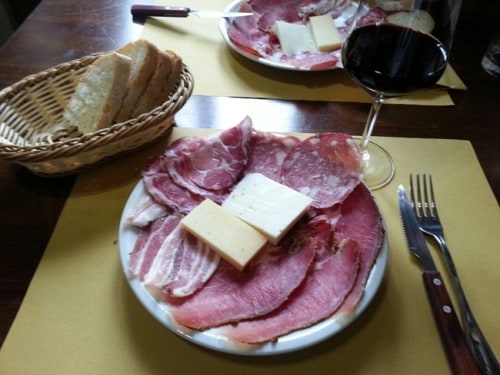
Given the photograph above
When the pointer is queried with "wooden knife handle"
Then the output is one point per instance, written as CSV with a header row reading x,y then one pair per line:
x,y
158,11
455,345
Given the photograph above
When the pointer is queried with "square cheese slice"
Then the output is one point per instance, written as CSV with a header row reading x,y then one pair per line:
x,y
234,240
267,205
294,38
324,33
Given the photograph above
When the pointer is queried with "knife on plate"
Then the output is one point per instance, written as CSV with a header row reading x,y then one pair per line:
x,y
173,11
455,345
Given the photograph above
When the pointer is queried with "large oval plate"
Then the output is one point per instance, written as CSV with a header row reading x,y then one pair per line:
x,y
211,338
273,61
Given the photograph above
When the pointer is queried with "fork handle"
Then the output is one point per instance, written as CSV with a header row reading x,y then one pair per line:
x,y
455,345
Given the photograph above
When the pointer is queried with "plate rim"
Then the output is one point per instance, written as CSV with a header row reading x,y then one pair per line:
x,y
209,339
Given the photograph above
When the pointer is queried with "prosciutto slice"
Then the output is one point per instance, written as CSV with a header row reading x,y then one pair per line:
x,y
331,278
148,244
333,166
210,166
196,264
360,218
145,211
231,295
167,257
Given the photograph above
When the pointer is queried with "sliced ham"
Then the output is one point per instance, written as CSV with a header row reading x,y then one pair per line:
x,y
210,166
360,219
326,286
268,153
333,166
231,295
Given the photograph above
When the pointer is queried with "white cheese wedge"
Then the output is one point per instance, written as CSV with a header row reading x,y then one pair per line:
x,y
324,33
234,240
267,205
294,38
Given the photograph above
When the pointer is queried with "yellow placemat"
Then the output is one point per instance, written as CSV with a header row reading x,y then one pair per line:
x,y
218,71
80,317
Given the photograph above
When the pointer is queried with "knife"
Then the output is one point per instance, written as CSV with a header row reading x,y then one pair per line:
x,y
458,353
171,11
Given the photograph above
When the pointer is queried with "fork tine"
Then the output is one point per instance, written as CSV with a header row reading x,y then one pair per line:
x,y
433,206
427,205
412,196
420,205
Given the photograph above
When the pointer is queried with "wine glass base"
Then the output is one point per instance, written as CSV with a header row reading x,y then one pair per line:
x,y
378,166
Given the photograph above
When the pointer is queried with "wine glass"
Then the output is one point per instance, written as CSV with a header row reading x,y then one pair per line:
x,y
393,52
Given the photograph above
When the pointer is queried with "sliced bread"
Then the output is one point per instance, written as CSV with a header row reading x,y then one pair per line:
x,y
144,57
99,94
161,83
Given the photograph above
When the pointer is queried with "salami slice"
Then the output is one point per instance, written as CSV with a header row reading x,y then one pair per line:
x,y
326,167
268,153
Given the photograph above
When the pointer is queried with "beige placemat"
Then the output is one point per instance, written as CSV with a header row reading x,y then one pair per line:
x,y
79,315
218,71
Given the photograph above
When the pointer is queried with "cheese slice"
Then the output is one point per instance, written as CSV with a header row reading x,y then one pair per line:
x,y
294,38
234,240
324,33
267,205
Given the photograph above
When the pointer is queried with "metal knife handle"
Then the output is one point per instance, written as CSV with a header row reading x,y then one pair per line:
x,y
159,11
457,351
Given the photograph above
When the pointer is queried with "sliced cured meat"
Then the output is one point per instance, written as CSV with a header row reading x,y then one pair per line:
x,y
198,262
148,244
326,286
268,153
313,60
325,167
245,32
181,263
360,219
317,8
283,12
145,211
162,188
211,164
167,260
231,295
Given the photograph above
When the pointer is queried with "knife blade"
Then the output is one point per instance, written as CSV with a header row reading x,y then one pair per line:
x,y
457,352
173,11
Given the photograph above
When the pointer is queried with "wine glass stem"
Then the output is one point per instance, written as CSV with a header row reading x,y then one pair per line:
x,y
377,102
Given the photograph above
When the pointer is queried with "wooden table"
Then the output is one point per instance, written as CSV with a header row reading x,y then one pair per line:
x,y
60,30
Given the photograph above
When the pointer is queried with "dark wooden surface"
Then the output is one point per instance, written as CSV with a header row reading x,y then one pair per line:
x,y
61,30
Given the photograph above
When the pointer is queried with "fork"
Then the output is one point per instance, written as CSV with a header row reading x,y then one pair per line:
x,y
430,224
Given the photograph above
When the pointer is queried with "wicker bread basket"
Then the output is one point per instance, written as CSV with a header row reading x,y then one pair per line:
x,y
31,106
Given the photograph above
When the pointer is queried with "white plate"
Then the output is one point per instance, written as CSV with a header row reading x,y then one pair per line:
x,y
210,338
274,61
